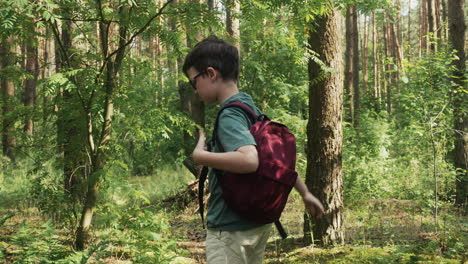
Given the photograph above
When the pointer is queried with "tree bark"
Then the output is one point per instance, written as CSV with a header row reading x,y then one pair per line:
x,y
324,130
432,24
387,76
232,22
348,72
408,37
375,56
100,151
29,96
356,90
457,30
190,102
8,96
365,57
70,136
423,28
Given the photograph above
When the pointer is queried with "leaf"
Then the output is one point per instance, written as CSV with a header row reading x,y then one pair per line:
x,y
404,79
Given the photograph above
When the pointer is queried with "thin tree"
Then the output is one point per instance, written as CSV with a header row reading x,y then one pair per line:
x,y
8,94
375,56
190,102
324,129
408,36
356,70
365,56
432,24
29,95
232,21
348,71
457,30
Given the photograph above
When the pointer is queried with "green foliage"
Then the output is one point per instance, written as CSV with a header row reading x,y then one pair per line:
x,y
414,141
37,245
145,236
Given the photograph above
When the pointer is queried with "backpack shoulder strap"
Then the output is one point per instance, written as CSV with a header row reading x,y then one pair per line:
x,y
201,189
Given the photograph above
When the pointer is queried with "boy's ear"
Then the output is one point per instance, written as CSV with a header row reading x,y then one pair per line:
x,y
212,73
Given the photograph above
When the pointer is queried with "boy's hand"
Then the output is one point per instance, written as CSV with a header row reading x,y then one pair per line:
x,y
200,147
313,205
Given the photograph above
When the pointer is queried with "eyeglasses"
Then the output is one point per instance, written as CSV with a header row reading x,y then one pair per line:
x,y
193,81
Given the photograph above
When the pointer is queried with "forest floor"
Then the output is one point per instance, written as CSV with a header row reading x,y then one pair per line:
x,y
376,231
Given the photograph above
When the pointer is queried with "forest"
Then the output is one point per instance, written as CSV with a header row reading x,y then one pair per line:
x,y
98,123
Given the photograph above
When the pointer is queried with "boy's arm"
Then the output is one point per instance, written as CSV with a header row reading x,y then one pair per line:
x,y
312,204
243,160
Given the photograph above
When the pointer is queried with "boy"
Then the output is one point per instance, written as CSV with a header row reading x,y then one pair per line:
x,y
212,68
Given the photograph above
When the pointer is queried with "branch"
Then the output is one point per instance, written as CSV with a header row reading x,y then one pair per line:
x,y
141,29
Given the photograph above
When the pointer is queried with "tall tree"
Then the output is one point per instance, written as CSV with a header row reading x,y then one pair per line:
x,y
106,83
365,56
8,94
232,21
423,28
375,59
190,102
356,70
29,95
324,129
432,24
348,71
70,135
457,28
408,37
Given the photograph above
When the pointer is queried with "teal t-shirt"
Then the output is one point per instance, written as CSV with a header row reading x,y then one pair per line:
x,y
233,133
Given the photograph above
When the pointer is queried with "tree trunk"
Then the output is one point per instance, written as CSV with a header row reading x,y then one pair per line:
x,y
100,152
387,67
365,58
232,22
70,136
356,90
444,20
432,24
190,103
324,131
423,28
457,29
408,37
8,96
375,58
29,96
348,72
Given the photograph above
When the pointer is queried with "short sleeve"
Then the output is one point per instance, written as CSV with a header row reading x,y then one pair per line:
x,y
233,130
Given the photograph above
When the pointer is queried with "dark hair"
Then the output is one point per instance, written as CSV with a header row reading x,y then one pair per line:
x,y
217,53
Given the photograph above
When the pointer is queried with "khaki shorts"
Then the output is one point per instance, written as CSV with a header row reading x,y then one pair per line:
x,y
237,247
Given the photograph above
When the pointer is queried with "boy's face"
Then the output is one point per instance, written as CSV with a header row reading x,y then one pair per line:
x,y
204,84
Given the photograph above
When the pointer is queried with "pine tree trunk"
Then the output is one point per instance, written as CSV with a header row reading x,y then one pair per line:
x,y
387,67
423,28
29,96
375,58
190,102
457,30
445,29
356,90
408,37
432,24
365,58
8,96
324,131
348,72
232,22
69,120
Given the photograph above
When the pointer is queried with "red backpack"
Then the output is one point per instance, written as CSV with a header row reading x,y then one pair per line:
x,y
260,196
